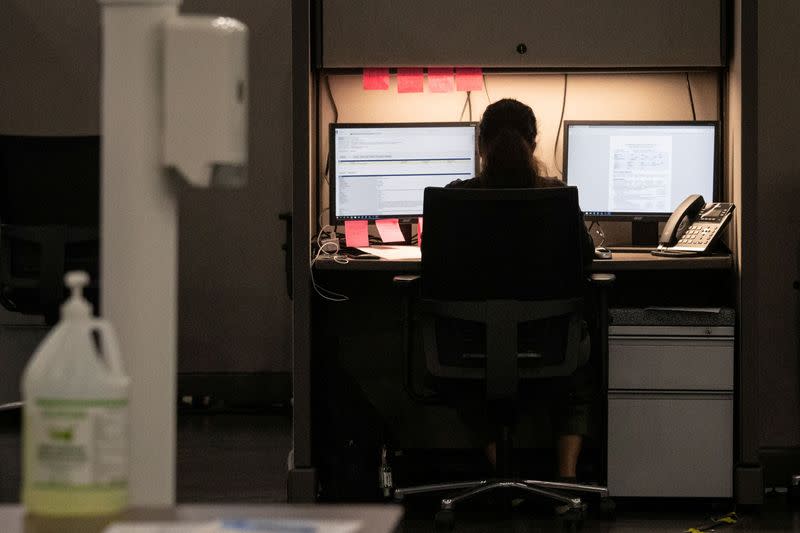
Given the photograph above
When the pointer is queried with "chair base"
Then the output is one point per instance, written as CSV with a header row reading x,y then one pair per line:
x,y
548,489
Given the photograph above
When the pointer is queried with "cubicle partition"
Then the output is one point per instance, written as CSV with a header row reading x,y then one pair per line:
x,y
669,63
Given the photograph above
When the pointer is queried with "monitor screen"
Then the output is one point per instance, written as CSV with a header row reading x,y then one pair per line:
x,y
381,170
640,170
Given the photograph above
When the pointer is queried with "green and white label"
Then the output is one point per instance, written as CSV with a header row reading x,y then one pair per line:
x,y
78,443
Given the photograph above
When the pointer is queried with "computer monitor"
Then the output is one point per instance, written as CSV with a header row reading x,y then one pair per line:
x,y
381,170
640,171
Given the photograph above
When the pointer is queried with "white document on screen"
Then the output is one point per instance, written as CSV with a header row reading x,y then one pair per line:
x,y
640,173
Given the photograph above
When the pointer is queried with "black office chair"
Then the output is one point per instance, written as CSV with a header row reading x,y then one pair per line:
x,y
504,268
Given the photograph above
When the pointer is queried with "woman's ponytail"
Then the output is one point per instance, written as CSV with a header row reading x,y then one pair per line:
x,y
508,160
507,138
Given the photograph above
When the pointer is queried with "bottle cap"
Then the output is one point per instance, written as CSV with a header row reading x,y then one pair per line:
x,y
76,306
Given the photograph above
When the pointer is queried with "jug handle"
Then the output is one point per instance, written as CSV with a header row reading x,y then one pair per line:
x,y
109,346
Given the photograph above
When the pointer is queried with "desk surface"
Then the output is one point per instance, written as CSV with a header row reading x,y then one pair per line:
x,y
374,518
620,261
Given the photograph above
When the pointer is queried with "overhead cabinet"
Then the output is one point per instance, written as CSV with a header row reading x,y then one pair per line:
x,y
521,33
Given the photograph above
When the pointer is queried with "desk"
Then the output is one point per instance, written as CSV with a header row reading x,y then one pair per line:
x,y
374,518
356,344
620,262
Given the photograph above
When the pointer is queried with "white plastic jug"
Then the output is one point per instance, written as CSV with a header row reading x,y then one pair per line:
x,y
75,416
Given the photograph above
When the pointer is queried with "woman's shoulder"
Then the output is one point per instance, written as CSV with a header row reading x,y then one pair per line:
x,y
549,181
471,183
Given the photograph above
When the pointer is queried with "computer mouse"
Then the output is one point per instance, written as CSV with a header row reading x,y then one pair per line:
x,y
602,252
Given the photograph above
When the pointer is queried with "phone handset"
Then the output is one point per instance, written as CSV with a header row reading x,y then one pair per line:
x,y
680,220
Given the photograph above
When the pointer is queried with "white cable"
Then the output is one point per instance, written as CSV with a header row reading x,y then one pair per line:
x,y
330,235
334,249
599,231
319,219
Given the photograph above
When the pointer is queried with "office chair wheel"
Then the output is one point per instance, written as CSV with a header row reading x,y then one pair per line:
x,y
572,520
445,520
607,507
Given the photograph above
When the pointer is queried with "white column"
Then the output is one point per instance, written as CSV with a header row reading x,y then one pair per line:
x,y
139,238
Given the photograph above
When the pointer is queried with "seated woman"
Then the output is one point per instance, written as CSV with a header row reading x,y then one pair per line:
x,y
506,143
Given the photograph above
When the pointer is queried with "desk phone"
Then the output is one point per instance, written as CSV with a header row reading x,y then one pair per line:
x,y
694,227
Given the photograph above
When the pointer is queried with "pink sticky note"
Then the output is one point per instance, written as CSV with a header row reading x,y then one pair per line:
x,y
389,230
356,233
419,232
469,79
409,80
440,79
376,79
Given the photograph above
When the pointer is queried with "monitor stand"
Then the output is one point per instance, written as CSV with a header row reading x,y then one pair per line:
x,y
644,233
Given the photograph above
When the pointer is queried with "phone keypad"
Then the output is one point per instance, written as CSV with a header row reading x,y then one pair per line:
x,y
698,235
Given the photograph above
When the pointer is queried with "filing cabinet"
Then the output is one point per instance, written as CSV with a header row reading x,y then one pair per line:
x,y
670,410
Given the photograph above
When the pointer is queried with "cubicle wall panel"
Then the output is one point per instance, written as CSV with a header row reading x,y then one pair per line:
x,y
50,65
670,445
522,33
679,363
774,212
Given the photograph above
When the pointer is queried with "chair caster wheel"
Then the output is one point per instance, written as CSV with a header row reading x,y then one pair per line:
x,y
608,508
445,520
572,520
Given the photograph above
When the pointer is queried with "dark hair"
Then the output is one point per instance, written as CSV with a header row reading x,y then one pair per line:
x,y
507,139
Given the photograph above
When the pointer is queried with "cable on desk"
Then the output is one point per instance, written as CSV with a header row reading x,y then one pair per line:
x,y
334,241
331,235
599,232
328,248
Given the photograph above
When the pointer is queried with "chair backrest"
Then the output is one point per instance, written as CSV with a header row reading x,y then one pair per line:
x,y
502,285
518,244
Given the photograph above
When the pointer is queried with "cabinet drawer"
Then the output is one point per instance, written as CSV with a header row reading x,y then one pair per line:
x,y
670,363
670,445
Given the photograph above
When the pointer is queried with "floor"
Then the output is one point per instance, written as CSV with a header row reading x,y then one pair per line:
x,y
241,457
238,457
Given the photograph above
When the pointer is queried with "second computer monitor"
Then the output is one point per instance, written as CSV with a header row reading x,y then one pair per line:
x,y
640,170
381,170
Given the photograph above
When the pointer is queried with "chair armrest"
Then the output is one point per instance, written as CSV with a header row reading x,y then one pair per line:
x,y
602,279
406,281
